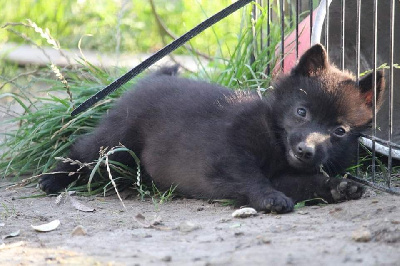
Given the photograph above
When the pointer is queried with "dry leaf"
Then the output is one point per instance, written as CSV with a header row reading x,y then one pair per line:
x,y
155,224
141,220
156,221
13,234
47,227
80,206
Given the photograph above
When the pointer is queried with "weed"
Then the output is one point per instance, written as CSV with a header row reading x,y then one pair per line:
x,y
314,201
44,130
160,197
225,202
7,211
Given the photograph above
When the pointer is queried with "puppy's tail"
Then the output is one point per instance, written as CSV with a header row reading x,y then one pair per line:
x,y
167,70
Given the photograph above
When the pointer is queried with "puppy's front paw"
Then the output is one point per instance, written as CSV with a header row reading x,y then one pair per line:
x,y
342,189
273,201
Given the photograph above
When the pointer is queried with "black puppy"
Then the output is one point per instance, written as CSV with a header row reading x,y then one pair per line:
x,y
212,142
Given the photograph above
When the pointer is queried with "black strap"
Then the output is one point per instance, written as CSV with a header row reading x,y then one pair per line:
x,y
158,55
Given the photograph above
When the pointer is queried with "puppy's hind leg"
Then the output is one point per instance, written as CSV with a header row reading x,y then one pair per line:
x,y
85,150
59,179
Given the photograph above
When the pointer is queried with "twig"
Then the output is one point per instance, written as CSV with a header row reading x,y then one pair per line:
x,y
15,24
17,77
50,40
113,182
26,38
75,162
29,180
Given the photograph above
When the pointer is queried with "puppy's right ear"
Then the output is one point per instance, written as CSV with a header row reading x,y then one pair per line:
x,y
366,85
313,61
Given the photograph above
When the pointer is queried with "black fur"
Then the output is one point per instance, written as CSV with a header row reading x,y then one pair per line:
x,y
213,142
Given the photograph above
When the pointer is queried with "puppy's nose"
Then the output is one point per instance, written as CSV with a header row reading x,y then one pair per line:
x,y
305,152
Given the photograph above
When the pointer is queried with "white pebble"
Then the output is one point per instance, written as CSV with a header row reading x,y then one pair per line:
x,y
362,235
244,213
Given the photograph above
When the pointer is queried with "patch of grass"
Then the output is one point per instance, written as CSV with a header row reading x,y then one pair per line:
x,y
225,202
309,202
160,197
365,168
7,211
246,64
44,129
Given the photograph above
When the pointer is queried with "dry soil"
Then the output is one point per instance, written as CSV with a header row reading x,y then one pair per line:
x,y
195,232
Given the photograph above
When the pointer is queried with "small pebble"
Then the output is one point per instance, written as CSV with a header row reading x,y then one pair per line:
x,y
302,212
167,258
223,220
79,231
236,225
187,227
244,213
337,209
264,240
239,234
362,235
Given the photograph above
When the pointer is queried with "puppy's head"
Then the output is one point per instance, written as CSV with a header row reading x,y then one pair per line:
x,y
321,111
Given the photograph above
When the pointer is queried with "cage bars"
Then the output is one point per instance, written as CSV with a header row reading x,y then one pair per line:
x,y
391,89
357,54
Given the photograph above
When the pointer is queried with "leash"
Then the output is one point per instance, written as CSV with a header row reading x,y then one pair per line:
x,y
158,55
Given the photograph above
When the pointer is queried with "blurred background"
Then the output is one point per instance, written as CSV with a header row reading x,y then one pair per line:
x,y
112,27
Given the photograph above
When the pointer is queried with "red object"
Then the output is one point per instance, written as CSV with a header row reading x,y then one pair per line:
x,y
290,58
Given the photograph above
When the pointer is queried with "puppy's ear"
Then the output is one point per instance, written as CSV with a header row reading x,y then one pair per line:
x,y
313,61
366,85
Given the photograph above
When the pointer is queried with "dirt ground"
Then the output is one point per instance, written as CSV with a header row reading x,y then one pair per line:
x,y
195,232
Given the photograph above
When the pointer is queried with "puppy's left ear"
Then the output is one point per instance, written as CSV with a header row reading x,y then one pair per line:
x,y
366,85
312,62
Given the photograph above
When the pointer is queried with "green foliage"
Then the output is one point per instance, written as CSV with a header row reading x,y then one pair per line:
x,y
246,64
45,130
160,197
7,211
106,20
309,202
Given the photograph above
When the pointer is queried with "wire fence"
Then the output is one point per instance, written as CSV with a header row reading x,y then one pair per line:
x,y
360,36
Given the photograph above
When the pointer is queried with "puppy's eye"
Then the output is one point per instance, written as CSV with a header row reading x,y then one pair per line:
x,y
340,132
301,112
